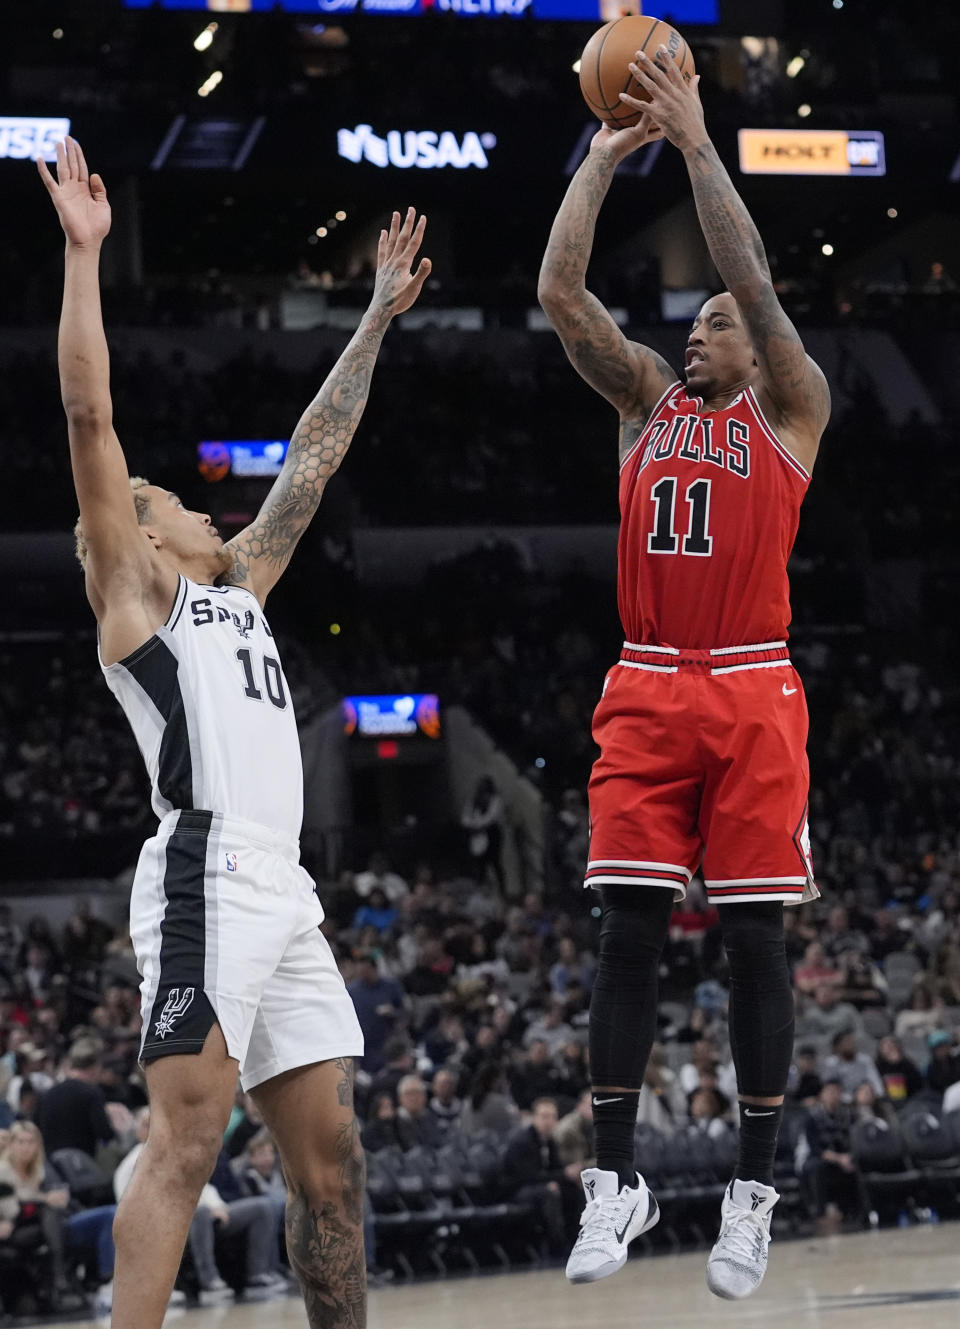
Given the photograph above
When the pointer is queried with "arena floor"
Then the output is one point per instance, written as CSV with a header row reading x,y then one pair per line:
x,y
907,1278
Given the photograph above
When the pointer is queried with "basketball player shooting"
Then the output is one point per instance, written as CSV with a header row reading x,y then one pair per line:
x,y
702,724
224,920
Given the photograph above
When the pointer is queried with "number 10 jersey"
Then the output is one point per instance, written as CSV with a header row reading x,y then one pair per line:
x,y
209,705
709,507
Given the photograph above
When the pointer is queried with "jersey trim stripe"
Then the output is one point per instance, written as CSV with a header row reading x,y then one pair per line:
x,y
656,650
639,863
756,882
787,455
742,650
181,1015
650,420
155,668
651,669
179,600
754,664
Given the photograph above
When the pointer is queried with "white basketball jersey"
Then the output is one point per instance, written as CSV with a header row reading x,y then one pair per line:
x,y
211,711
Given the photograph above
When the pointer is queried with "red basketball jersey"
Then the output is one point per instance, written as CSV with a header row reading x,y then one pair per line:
x,y
709,509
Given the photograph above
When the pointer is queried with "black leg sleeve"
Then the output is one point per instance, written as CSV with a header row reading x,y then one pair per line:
x,y
623,1007
761,997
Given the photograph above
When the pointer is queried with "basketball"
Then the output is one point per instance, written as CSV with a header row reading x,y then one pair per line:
x,y
603,65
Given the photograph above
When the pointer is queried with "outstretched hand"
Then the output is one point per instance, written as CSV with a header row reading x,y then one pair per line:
x,y
674,103
621,142
79,197
397,286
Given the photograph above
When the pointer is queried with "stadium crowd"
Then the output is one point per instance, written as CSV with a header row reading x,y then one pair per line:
x,y
474,1011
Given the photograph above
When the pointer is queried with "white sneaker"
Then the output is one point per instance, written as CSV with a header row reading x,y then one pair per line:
x,y
608,1224
738,1260
103,1302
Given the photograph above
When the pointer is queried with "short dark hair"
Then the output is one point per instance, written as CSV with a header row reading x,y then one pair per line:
x,y
545,1098
86,1053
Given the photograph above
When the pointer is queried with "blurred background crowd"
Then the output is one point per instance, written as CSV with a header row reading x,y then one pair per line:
x,y
466,551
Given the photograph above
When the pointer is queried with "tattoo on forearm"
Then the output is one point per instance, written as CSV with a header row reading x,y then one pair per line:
x,y
738,255
325,1238
594,344
317,447
733,239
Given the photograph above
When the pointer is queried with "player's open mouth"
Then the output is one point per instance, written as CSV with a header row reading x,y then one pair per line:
x,y
693,358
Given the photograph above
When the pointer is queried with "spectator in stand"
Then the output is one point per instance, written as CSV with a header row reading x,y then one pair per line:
x,y
944,1067
867,1106
258,1172
573,1072
533,1174
574,1134
381,1130
533,1075
704,1060
570,966
825,1162
901,1077
550,1028
73,1113
376,912
816,970
380,1004
536,916
447,1041
400,1061
921,1015
805,1081
661,1100
489,1105
430,976
828,1016
887,935
864,987
482,820
707,1109
416,1124
444,1104
513,944
379,877
226,1212
33,1211
850,1067
838,936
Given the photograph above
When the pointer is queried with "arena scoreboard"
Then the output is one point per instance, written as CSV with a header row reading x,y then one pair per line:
x,y
599,11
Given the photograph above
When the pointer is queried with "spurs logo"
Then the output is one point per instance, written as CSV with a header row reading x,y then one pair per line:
x,y
175,1006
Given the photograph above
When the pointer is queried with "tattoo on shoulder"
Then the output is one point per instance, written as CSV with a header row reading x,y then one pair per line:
x,y
630,431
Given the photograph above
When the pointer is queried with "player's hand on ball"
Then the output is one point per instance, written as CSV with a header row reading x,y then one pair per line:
x,y
397,285
79,197
674,103
621,142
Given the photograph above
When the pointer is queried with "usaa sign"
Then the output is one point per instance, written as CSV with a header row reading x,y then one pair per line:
x,y
32,136
422,149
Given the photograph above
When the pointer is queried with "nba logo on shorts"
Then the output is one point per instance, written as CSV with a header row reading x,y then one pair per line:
x,y
231,862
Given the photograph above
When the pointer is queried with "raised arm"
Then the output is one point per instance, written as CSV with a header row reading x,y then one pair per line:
x,y
320,441
795,385
117,554
630,376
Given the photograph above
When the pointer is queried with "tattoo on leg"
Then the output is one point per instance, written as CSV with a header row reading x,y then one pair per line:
x,y
326,1253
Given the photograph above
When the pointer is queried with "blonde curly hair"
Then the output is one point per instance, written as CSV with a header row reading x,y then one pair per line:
x,y
142,505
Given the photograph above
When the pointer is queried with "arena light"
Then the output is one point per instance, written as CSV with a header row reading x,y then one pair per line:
x,y
795,65
892,213
803,110
576,66
826,250
57,34
341,215
214,81
321,231
204,40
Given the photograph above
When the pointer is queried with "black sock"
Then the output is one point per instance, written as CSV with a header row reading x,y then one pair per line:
x,y
759,1128
614,1121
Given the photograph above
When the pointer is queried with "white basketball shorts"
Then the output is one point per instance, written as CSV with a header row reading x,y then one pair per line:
x,y
225,924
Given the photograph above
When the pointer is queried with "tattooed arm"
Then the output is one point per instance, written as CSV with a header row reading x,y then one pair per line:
x,y
794,384
631,377
319,443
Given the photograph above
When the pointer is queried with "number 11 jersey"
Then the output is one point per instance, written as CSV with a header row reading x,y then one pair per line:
x,y
211,711
709,508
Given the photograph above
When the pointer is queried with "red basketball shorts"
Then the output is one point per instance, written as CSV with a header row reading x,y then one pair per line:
x,y
702,764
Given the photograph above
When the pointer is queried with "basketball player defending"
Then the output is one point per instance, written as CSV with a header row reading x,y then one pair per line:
x,y
224,920
702,723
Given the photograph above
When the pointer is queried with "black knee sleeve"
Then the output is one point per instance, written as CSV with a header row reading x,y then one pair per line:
x,y
761,997
623,1006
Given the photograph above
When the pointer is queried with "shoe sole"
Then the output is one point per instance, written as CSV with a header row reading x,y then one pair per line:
x,y
612,1266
